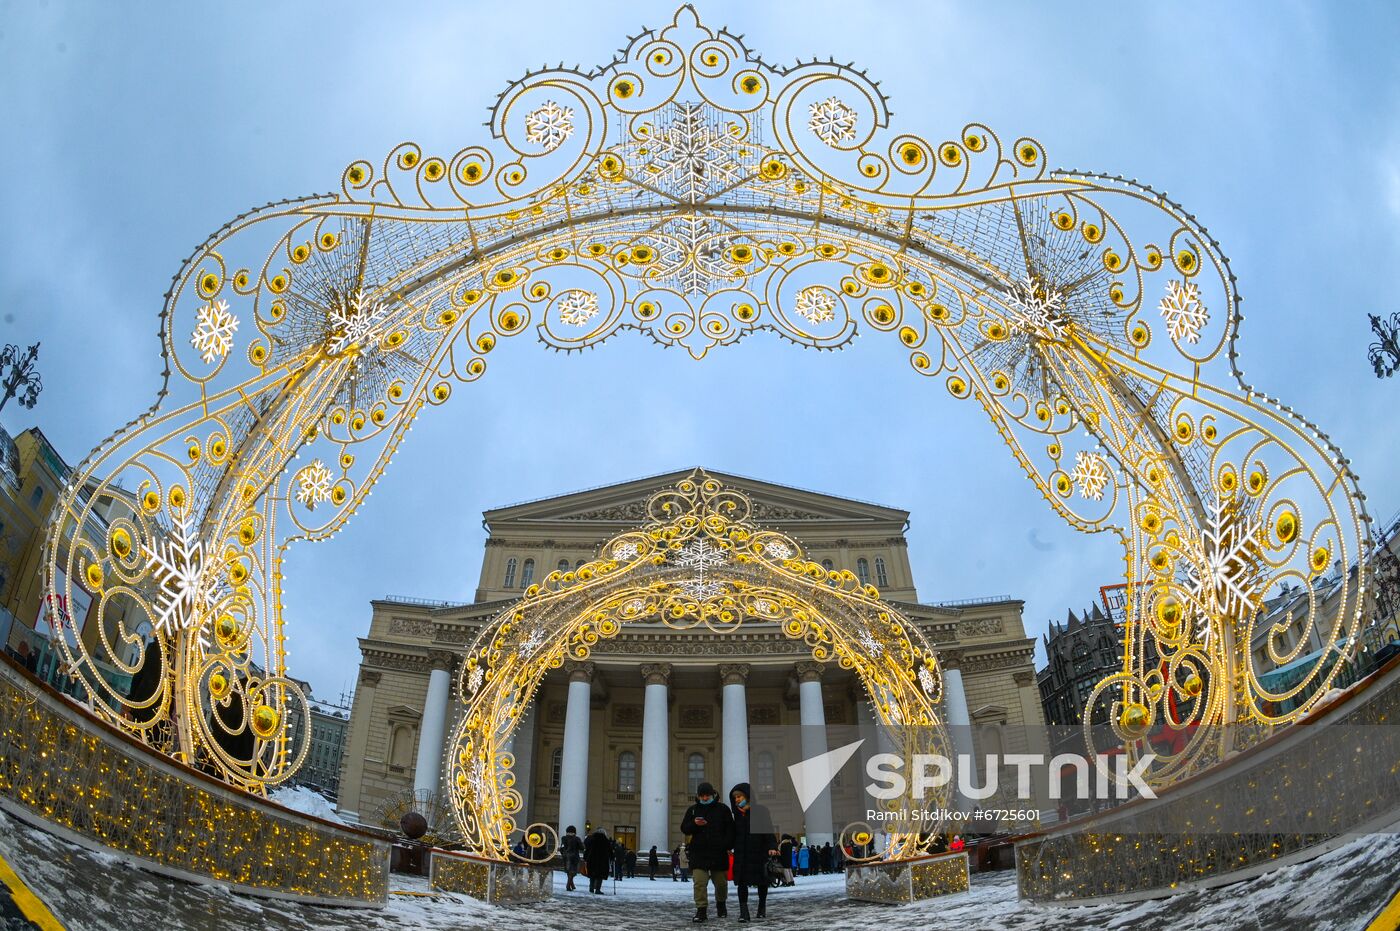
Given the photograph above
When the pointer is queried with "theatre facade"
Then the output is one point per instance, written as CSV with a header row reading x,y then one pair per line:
x,y
581,750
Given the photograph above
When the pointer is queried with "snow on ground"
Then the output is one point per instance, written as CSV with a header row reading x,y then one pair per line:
x,y
306,801
1336,892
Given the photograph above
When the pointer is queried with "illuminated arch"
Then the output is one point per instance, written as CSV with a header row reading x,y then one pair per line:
x,y
694,193
699,563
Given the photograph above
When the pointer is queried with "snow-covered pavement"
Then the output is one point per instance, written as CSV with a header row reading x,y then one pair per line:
x,y
98,892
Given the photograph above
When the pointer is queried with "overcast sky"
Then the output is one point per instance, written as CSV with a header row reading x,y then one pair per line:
x,y
133,130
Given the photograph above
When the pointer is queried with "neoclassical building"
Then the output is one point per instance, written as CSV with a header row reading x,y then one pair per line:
x,y
654,711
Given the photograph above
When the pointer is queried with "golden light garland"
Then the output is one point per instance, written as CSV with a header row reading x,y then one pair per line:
x,y
689,191
699,563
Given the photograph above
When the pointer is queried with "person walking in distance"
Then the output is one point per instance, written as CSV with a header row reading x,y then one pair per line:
x,y
597,854
571,849
676,864
754,842
652,863
785,858
709,826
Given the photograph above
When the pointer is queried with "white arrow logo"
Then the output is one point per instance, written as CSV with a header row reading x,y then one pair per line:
x,y
811,777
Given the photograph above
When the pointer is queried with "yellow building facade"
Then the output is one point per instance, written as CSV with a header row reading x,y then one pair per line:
x,y
580,749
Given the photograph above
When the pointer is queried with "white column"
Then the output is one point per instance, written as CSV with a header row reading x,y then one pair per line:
x,y
877,740
812,714
427,769
573,773
655,825
959,722
353,763
522,747
734,766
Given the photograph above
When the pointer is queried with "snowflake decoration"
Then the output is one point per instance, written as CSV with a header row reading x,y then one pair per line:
x,y
625,551
692,254
926,679
177,566
870,644
816,304
1186,316
764,606
701,555
1090,474
833,122
694,153
533,640
776,549
701,588
474,679
213,333
314,485
352,323
1038,309
1233,543
577,307
549,125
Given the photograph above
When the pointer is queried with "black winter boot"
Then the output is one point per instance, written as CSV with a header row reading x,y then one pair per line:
x,y
762,909
721,911
743,911
699,916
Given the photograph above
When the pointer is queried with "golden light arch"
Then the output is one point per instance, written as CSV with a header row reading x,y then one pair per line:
x,y
694,193
698,563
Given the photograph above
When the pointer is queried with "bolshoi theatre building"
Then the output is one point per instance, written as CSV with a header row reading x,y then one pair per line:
x,y
579,749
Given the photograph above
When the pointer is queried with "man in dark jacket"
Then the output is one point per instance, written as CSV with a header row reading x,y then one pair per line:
x,y
709,827
754,843
653,861
571,848
619,860
597,853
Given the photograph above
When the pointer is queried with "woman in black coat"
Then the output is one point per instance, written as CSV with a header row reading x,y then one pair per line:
x,y
754,843
597,854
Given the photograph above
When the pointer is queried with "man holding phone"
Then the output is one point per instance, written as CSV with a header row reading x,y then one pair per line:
x,y
709,830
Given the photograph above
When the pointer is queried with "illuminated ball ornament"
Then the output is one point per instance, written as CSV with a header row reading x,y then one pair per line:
x,y
1135,720
1193,685
265,720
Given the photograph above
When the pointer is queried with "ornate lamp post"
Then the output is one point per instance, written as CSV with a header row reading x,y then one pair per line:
x,y
1385,351
21,375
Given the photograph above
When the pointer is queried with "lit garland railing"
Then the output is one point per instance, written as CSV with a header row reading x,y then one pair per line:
x,y
1305,789
86,782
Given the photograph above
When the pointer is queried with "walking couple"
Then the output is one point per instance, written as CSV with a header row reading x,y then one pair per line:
x,y
712,830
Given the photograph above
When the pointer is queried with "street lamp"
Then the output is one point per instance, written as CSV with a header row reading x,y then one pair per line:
x,y
21,375
1385,351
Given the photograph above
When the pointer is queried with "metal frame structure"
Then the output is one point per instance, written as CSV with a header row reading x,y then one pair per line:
x,y
694,193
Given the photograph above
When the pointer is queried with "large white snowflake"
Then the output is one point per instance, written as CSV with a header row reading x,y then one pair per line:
x,y
213,332
549,125
177,567
1090,474
314,485
1186,316
692,254
352,322
1038,309
695,153
816,303
832,121
577,307
700,555
764,606
474,679
625,550
1232,549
